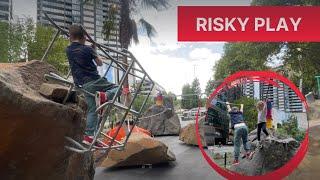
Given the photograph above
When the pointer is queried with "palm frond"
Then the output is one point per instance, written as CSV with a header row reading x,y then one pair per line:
x,y
156,4
151,31
134,31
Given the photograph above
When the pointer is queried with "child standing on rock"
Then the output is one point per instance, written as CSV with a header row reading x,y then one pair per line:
x,y
262,119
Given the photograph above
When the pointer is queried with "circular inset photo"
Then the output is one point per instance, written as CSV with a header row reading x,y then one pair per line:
x,y
255,125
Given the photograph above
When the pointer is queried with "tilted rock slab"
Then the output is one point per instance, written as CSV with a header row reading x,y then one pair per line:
x,y
32,128
140,150
160,120
274,154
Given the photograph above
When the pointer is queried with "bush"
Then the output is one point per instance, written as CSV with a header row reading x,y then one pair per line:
x,y
290,129
249,111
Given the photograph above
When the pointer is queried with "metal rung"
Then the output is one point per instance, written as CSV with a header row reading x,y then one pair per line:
x,y
109,137
128,69
118,105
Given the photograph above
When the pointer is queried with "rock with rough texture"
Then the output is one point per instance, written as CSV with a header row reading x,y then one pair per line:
x,y
160,120
140,150
188,134
32,128
274,154
56,92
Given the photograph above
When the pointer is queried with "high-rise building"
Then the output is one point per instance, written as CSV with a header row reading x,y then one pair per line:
x,y
91,15
5,10
282,97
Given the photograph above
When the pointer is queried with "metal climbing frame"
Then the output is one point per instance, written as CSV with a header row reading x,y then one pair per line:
x,y
133,68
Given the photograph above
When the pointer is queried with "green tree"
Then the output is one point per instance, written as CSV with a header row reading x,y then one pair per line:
x,y
290,129
4,39
196,91
11,41
57,56
209,87
186,102
245,56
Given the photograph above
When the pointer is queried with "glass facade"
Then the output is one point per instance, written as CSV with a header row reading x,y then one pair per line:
x,y
5,10
90,15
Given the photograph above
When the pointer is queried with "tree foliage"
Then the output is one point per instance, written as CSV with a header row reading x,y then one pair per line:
x,y
24,40
209,87
290,129
191,95
296,60
57,55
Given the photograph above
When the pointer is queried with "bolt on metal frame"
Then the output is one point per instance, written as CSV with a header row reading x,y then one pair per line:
x,y
127,69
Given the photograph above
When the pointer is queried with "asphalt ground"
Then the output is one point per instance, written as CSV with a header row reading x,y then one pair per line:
x,y
189,165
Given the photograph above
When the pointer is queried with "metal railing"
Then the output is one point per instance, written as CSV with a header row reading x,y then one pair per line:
x,y
127,69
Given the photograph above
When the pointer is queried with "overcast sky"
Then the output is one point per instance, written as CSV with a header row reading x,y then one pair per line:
x,y
168,62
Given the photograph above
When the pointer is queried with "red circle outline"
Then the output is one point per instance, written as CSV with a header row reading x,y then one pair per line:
x,y
282,171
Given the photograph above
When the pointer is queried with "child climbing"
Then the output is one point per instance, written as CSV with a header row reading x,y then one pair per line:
x,y
240,132
83,62
262,119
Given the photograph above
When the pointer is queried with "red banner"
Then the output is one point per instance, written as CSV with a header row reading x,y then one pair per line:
x,y
249,23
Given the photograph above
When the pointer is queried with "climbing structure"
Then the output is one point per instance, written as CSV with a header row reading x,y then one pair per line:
x,y
134,69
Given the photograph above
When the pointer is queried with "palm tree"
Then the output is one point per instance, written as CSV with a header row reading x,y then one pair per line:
x,y
129,25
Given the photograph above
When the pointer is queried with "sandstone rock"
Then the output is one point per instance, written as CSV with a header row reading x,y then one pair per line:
x,y
32,128
56,92
188,134
160,120
274,154
140,149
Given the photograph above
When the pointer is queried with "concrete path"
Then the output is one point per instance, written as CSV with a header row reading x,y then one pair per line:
x,y
309,168
189,165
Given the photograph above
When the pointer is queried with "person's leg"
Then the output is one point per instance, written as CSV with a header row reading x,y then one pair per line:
x,y
264,128
259,131
245,139
103,85
237,137
92,87
92,117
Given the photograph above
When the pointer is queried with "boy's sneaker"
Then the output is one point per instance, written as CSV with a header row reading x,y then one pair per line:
x,y
235,162
87,140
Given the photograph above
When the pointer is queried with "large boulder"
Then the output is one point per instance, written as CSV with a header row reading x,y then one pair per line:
x,y
160,120
141,149
275,153
188,134
57,93
33,128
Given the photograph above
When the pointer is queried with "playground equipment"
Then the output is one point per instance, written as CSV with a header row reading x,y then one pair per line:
x,y
133,68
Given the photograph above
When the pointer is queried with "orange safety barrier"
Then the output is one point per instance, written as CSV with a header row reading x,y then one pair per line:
x,y
122,133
